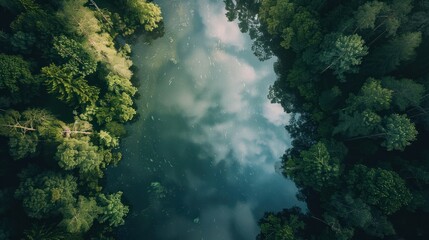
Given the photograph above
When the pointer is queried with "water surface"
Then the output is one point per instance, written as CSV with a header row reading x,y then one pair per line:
x,y
200,161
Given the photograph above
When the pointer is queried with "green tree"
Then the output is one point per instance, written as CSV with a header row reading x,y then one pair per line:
x,y
145,13
61,82
79,217
44,194
372,96
107,140
378,187
113,211
398,132
342,53
81,154
117,84
406,92
115,107
39,231
24,130
353,212
16,81
388,57
297,27
358,123
314,168
279,228
23,145
76,58
367,14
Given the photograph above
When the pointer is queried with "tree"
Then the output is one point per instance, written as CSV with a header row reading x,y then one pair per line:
x,y
358,123
314,168
297,27
388,57
22,146
398,132
145,13
117,84
353,212
115,107
80,153
38,26
342,53
16,81
406,92
79,217
100,44
24,130
76,58
378,187
45,193
107,140
113,211
372,96
40,231
367,14
280,228
62,82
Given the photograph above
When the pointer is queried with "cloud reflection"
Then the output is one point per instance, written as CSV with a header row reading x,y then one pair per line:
x,y
218,27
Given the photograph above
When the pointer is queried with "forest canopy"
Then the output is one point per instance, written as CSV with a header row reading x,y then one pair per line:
x,y
354,76
65,93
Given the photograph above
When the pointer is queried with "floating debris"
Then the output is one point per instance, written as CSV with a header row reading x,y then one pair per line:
x,y
197,220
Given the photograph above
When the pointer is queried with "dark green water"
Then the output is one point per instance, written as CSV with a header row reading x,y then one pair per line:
x,y
200,162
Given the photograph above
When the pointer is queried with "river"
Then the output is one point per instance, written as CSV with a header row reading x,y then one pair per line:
x,y
200,162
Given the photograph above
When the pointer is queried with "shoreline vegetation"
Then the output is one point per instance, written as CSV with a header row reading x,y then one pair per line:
x,y
354,76
65,94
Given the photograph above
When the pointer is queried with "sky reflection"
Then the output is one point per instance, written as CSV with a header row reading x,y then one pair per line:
x,y
207,132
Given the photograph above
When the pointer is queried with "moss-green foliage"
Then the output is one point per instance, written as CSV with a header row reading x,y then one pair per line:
x,y
65,92
17,84
354,76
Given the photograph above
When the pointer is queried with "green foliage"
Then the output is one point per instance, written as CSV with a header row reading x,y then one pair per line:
x,y
37,232
14,72
23,146
115,107
367,14
44,194
37,25
361,40
99,44
145,13
314,168
79,217
399,49
16,81
378,187
80,153
358,124
116,129
399,132
77,59
342,53
297,26
118,85
107,140
276,228
25,129
372,96
62,82
113,211
406,92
